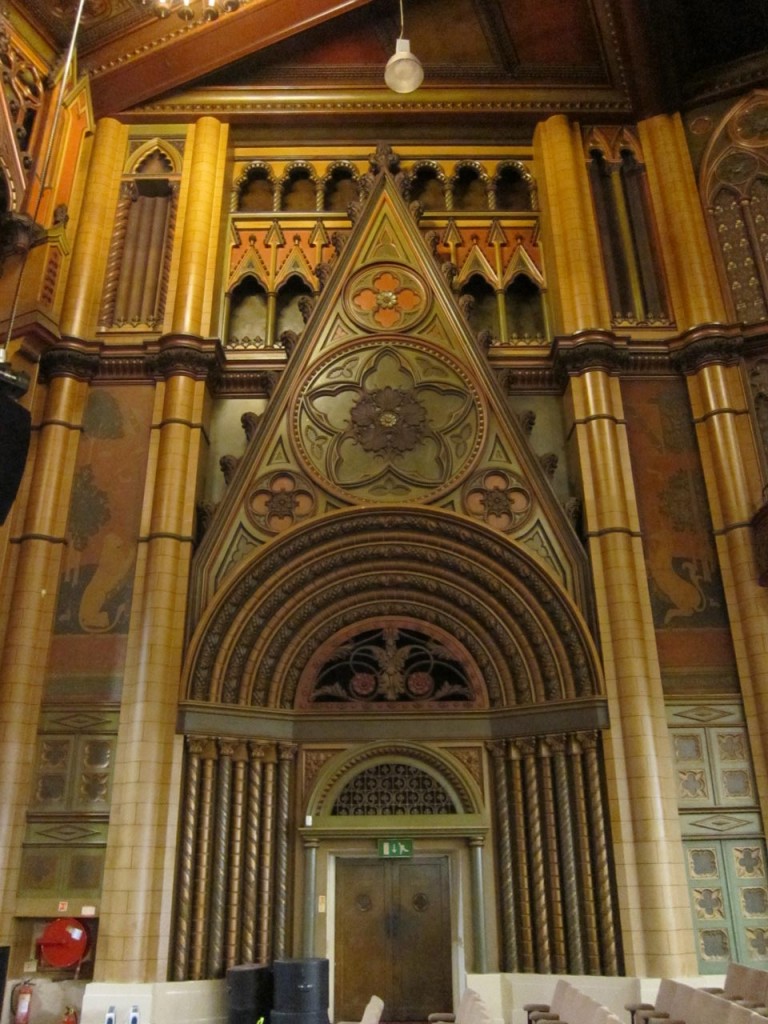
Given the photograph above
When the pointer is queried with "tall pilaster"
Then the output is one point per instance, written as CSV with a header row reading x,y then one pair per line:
x,y
138,879
194,268
570,230
711,360
652,889
34,581
79,311
138,876
693,281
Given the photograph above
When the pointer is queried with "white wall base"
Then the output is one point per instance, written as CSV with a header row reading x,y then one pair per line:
x,y
193,1002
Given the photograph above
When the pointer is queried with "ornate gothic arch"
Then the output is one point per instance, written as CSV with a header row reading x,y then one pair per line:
x,y
527,640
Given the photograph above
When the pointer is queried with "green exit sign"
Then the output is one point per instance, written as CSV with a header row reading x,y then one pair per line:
x,y
395,847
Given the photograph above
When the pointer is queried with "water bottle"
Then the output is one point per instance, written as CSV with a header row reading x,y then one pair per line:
x,y
111,1017
133,1016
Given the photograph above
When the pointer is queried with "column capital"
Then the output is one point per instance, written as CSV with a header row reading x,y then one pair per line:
x,y
176,358
596,349
65,361
706,345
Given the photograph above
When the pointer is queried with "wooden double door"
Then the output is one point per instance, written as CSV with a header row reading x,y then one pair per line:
x,y
393,937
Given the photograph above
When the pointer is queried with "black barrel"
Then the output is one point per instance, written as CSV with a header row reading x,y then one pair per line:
x,y
249,994
301,991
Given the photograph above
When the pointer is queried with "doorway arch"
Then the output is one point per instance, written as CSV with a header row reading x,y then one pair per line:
x,y
523,723
394,847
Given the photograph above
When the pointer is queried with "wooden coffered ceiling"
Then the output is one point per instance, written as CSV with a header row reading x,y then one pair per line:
x,y
486,61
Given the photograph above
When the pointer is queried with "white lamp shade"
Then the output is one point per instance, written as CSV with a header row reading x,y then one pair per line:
x,y
403,72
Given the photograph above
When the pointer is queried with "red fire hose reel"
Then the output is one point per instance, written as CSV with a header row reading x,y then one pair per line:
x,y
63,943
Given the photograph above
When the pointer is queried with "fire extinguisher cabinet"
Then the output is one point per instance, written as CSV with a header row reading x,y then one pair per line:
x,y
249,994
301,991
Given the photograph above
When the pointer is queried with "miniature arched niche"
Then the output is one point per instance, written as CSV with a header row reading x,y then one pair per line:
x,y
298,191
635,277
248,314
339,189
289,301
524,306
478,301
256,192
513,188
428,187
141,244
470,189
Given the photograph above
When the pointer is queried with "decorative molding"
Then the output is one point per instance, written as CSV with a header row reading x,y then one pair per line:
x,y
69,362
182,360
591,350
707,345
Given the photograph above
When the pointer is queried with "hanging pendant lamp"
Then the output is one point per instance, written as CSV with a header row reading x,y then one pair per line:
x,y
403,72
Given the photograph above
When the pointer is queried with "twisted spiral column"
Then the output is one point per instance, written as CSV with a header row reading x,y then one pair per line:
x,y
185,873
572,897
505,869
111,304
266,865
203,863
219,859
236,857
252,851
552,846
583,839
286,755
538,867
522,879
606,928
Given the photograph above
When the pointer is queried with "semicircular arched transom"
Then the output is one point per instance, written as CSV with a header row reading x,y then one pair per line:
x,y
519,638
389,662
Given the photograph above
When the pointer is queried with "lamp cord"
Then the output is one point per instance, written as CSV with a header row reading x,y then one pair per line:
x,y
402,21
44,173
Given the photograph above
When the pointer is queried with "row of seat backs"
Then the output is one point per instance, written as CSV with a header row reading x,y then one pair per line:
x,y
684,1004
571,1006
747,985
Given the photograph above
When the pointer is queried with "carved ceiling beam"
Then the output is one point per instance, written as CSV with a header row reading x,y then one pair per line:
x,y
121,83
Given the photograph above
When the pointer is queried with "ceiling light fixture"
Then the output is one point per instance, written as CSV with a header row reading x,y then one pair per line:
x,y
210,12
403,72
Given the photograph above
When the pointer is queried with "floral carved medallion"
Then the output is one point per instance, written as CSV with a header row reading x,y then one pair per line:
x,y
386,298
499,498
392,421
279,500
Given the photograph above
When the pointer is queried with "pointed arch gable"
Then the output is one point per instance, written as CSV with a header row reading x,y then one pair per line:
x,y
165,150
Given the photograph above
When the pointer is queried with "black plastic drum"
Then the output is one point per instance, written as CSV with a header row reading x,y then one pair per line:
x,y
249,994
301,991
